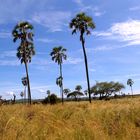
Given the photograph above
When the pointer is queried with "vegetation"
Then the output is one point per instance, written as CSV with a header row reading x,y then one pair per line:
x,y
24,82
83,24
117,119
130,82
106,89
50,99
58,55
25,51
76,93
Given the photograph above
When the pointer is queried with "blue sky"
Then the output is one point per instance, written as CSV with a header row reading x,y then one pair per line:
x,y
113,48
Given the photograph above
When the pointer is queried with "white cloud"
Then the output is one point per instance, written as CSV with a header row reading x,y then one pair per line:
x,y
74,61
79,2
53,20
9,63
134,8
128,32
92,70
92,9
45,40
6,54
5,34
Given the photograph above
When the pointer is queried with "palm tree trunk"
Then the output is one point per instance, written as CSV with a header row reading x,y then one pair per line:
x,y
61,88
131,91
29,91
86,65
25,95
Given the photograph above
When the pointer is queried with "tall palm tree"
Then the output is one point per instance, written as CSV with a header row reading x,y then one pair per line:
x,y
58,54
130,82
83,23
24,82
25,51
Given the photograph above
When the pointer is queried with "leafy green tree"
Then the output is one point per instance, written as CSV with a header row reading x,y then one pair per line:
x,y
83,23
130,82
25,51
58,54
106,89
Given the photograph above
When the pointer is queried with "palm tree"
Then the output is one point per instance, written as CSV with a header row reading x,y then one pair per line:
x,y
25,51
22,94
24,82
58,55
83,24
48,92
66,91
130,82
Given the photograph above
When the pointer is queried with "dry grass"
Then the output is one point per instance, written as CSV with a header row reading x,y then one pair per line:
x,y
102,120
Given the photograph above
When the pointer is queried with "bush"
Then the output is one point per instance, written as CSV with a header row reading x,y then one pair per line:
x,y
52,99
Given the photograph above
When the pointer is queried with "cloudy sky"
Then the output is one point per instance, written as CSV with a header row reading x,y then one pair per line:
x,y
113,48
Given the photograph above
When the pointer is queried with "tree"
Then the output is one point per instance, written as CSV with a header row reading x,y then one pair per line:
x,y
25,51
78,87
66,91
106,89
83,24
58,55
130,82
22,94
24,82
48,92
75,94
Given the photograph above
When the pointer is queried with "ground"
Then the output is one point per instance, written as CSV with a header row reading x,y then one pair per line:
x,y
117,119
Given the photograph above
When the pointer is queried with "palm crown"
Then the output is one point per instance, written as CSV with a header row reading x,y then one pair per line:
x,y
23,32
130,82
58,54
82,23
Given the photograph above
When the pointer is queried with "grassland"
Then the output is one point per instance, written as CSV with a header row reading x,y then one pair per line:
x,y
118,119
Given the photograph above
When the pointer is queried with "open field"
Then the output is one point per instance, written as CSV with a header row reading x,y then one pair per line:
x,y
118,119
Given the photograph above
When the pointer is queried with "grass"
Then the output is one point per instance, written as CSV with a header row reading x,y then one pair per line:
x,y
118,119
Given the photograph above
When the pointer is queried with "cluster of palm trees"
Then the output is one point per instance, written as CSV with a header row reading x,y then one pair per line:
x,y
23,32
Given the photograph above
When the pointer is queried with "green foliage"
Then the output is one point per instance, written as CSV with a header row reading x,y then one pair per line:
x,y
25,51
58,54
106,89
82,23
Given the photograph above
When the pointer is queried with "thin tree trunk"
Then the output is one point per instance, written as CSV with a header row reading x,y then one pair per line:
x,y
25,94
29,91
86,65
61,88
131,91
